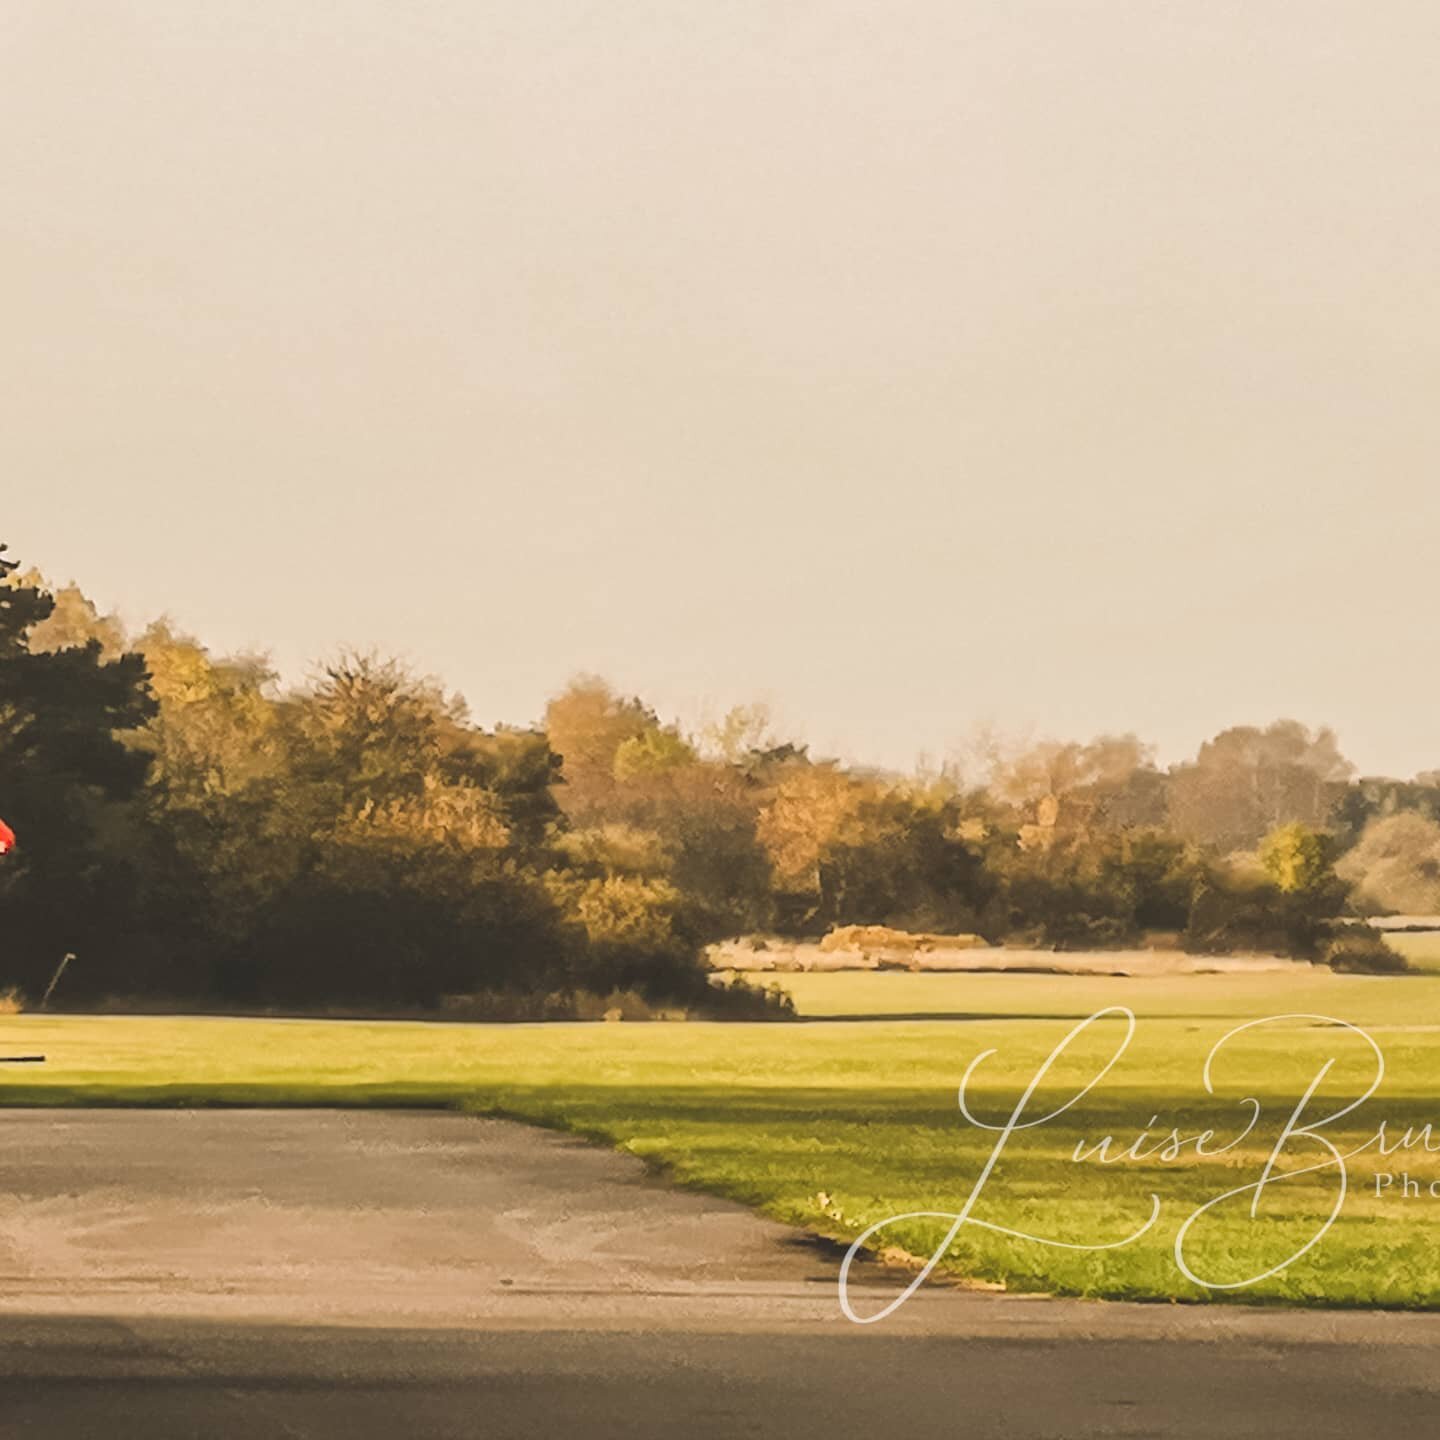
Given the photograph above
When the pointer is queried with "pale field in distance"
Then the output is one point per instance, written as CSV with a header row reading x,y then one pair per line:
x,y
1421,949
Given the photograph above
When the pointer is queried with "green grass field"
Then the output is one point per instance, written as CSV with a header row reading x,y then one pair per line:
x,y
864,1112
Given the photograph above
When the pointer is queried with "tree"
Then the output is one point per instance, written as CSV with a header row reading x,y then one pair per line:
x,y
587,723
848,849
653,751
1296,859
73,622
743,730
412,843
1247,781
811,811
1395,867
1061,794
1377,797
1283,899
68,776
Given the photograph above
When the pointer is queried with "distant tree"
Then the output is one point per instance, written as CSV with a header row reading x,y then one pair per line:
x,y
1296,859
586,724
1071,897
73,622
850,849
520,769
1376,797
1283,899
414,844
1058,794
656,749
812,810
369,731
1053,768
1161,872
1247,781
704,816
1395,867
630,934
743,730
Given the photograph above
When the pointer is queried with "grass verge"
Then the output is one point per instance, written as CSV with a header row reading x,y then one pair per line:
x,y
833,1125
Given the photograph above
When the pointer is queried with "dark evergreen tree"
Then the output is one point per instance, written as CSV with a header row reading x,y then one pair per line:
x,y
68,783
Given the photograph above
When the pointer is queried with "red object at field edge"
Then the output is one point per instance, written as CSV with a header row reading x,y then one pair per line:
x,y
7,838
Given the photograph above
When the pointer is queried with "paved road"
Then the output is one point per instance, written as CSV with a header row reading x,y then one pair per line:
x,y
318,1274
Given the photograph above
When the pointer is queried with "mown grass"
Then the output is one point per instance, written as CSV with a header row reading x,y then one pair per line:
x,y
865,1113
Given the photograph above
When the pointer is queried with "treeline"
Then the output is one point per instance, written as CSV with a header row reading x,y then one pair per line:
x,y
193,832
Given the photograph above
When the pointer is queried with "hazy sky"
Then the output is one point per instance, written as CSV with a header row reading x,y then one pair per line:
x,y
1063,366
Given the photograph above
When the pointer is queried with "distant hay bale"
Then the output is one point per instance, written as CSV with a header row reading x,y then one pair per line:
x,y
905,942
847,947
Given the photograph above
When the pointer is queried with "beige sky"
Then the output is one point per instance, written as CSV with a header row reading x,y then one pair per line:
x,y
1063,366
